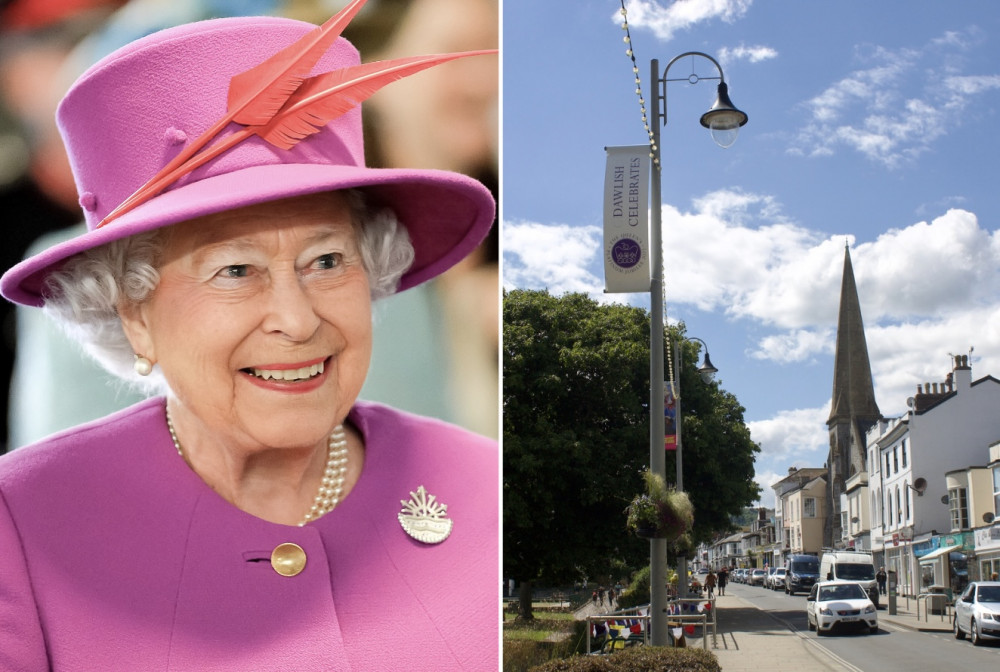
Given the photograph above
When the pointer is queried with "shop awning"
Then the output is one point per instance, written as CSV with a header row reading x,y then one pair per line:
x,y
939,552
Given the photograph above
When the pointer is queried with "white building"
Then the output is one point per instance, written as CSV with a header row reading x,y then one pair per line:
x,y
855,513
948,428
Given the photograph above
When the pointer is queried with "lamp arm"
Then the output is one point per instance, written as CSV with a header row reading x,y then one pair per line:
x,y
661,82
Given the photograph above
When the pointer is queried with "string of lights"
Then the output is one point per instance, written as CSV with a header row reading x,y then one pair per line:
x,y
630,52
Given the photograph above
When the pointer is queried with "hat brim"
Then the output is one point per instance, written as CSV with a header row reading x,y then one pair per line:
x,y
446,214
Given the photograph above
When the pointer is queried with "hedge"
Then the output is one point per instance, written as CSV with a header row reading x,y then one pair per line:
x,y
638,659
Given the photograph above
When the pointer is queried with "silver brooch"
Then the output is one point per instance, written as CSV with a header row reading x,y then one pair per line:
x,y
424,519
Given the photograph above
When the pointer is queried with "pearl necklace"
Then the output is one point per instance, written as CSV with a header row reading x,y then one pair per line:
x,y
332,485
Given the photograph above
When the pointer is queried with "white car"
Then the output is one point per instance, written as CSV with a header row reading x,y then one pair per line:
x,y
841,605
977,612
756,577
777,579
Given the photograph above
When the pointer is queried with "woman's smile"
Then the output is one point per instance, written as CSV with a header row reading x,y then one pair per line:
x,y
303,377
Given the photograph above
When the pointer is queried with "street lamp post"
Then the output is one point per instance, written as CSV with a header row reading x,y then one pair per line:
x,y
724,121
707,371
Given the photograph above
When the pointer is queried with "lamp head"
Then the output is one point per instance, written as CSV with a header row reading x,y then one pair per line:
x,y
724,119
708,369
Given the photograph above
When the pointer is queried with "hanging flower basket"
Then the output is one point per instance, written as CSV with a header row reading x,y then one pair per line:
x,y
660,512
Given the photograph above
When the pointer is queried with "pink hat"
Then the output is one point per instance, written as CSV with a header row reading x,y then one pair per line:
x,y
138,108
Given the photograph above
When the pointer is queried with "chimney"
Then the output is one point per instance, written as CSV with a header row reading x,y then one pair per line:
x,y
962,373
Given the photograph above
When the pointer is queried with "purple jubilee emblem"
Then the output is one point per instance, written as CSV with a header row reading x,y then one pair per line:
x,y
626,253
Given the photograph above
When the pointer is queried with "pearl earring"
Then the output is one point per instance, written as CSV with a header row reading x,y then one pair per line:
x,y
142,366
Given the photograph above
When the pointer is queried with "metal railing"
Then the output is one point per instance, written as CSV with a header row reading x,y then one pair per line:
x,y
680,611
945,606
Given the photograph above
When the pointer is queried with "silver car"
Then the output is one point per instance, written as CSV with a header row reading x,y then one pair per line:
x,y
977,612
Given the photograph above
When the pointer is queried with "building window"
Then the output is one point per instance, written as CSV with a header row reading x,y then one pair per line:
x,y
958,506
899,510
996,491
809,507
907,498
904,453
887,464
888,501
895,460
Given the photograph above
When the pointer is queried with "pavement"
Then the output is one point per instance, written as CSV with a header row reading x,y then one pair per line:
x,y
751,639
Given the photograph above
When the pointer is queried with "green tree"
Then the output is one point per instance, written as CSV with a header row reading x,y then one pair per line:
x,y
576,438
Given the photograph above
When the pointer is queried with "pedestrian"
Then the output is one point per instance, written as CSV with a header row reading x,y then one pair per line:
x,y
593,597
710,582
611,597
723,579
880,577
600,595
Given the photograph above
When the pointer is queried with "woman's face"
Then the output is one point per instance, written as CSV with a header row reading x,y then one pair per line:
x,y
261,322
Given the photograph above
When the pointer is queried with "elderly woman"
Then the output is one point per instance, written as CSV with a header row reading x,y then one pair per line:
x,y
257,515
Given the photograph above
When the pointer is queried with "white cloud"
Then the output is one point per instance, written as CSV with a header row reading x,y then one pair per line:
x,y
939,268
679,15
798,345
970,85
800,432
754,54
764,479
895,111
736,253
551,256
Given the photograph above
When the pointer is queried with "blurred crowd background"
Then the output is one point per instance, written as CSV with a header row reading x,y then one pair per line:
x,y
444,118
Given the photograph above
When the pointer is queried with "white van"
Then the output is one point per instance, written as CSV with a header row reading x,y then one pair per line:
x,y
850,566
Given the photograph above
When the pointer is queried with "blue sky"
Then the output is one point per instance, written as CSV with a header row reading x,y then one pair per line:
x,y
872,124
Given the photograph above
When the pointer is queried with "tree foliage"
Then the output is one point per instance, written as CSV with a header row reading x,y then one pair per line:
x,y
576,437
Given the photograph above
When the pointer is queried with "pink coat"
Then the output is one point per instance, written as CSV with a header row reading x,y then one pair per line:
x,y
114,555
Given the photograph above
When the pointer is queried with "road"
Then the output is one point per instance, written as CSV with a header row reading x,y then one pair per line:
x,y
893,648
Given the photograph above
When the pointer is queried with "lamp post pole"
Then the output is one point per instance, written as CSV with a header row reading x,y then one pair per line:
x,y
724,121
707,371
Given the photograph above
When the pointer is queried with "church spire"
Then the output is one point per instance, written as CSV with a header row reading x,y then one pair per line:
x,y
853,390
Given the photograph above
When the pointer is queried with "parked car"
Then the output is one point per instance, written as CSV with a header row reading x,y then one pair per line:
x,y
977,612
756,577
801,572
778,579
840,605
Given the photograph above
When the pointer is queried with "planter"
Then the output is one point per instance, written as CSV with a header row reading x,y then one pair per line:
x,y
646,532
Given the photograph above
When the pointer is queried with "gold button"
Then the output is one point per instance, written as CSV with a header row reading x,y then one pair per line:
x,y
288,559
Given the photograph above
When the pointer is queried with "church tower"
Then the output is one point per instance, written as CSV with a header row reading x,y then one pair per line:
x,y
853,410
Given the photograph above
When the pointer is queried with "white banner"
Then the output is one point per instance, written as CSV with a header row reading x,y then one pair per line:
x,y
626,219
